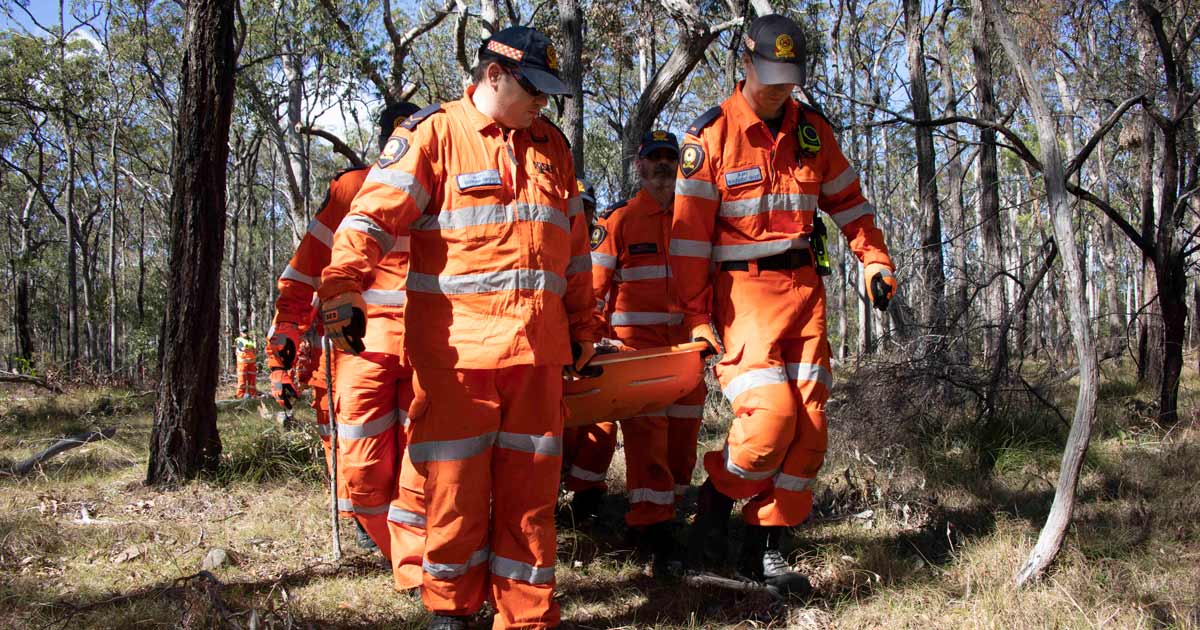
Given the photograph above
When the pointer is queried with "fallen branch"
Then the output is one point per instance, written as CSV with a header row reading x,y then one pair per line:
x,y
13,377
61,446
700,580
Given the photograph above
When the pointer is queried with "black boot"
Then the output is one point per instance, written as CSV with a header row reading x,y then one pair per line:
x,y
762,561
707,546
656,543
447,622
363,538
586,504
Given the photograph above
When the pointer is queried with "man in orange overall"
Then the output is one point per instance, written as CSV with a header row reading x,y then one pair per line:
x,y
247,365
499,301
752,173
632,283
378,487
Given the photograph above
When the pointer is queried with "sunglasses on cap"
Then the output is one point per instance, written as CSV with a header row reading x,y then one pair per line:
x,y
525,83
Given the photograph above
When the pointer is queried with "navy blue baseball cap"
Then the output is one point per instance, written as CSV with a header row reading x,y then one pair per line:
x,y
530,52
777,47
658,139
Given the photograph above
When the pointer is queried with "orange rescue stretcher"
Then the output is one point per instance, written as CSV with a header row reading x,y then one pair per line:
x,y
633,383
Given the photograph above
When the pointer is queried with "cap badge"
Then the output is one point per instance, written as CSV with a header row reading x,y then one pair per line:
x,y
552,58
659,136
784,47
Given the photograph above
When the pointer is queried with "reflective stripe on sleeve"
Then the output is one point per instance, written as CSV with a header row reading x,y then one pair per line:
x,y
775,202
750,251
449,450
647,272
839,183
792,482
381,297
810,372
574,206
402,181
360,223
845,217
507,280
604,260
521,571
320,232
536,444
695,249
754,378
647,495
406,517
470,216
635,318
451,571
586,475
697,188
290,273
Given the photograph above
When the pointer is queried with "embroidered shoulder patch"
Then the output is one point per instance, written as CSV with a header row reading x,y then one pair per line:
x,y
480,179
691,159
598,236
744,176
395,149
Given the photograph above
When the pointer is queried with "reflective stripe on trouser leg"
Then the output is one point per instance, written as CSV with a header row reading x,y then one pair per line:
x,y
455,419
370,436
683,429
526,462
648,477
790,500
587,454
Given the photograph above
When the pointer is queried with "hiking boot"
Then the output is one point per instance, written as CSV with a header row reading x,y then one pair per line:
x,y
363,539
447,622
762,561
656,542
586,504
707,546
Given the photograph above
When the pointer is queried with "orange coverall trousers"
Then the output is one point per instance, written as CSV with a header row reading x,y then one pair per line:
x,y
489,443
777,376
247,379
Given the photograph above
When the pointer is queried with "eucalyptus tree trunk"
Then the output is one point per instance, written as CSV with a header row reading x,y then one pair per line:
x,y
954,176
570,20
995,295
22,262
112,255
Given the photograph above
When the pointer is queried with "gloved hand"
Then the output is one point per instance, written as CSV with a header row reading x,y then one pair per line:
x,y
281,387
281,347
582,352
345,318
705,333
881,285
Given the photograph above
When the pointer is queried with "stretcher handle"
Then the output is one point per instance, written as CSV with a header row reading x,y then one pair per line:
x,y
637,355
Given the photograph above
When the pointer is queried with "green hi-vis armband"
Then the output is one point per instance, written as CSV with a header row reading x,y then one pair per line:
x,y
809,141
820,253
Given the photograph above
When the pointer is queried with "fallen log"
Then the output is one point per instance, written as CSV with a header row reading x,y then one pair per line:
x,y
13,377
700,580
61,446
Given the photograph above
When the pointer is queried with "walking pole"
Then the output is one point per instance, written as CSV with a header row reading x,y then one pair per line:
x,y
333,451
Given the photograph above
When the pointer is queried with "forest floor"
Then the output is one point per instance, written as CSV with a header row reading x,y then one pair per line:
x,y
907,533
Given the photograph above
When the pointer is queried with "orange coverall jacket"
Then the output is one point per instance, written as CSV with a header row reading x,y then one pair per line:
x,y
500,272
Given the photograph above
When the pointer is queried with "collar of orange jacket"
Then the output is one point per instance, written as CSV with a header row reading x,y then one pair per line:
x,y
745,118
644,197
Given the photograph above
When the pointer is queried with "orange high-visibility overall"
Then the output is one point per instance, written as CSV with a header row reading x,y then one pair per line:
x,y
247,366
745,201
376,483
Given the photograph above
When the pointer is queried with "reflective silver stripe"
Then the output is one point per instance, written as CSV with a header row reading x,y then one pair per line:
x,y
320,232
685,411
586,475
450,571
754,378
290,273
681,489
839,183
695,249
346,505
750,251
402,244
448,450
521,571
579,264
537,444
574,206
397,515
604,260
507,280
469,216
323,429
810,372
646,495
647,272
654,413
845,217
368,429
359,223
792,482
742,472
697,188
401,180
381,297
774,202
635,318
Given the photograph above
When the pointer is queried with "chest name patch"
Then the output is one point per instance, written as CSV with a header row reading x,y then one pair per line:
x,y
481,179
643,248
743,177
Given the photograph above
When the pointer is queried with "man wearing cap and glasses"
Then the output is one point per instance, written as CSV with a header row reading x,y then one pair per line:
x,y
752,173
499,300
632,282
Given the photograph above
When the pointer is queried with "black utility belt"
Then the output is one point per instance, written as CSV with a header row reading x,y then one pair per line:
x,y
791,259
